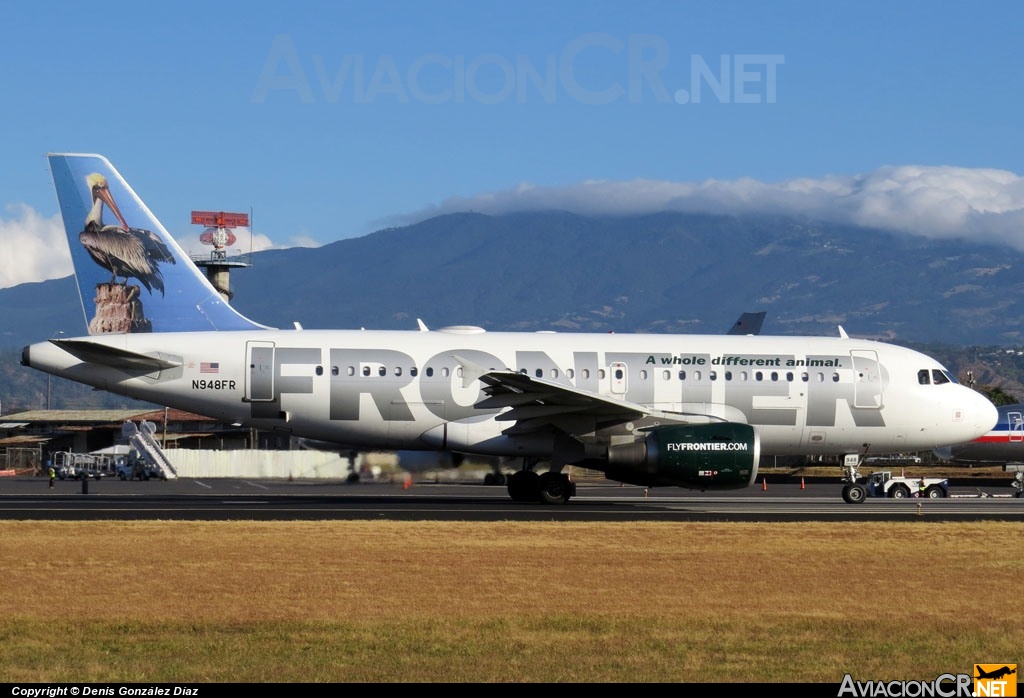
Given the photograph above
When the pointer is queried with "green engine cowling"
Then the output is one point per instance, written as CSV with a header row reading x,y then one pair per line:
x,y
722,455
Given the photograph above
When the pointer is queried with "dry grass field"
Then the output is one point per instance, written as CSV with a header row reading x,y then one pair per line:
x,y
505,602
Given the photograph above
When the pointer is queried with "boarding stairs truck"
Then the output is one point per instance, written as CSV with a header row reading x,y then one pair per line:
x,y
884,484
142,440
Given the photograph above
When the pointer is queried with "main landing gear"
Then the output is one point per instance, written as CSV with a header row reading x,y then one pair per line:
x,y
550,487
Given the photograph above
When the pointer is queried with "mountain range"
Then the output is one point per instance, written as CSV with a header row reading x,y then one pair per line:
x,y
666,272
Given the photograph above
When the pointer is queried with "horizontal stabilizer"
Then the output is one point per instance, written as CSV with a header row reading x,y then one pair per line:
x,y
93,353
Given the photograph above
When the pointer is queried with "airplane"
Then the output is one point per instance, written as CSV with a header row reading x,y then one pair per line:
x,y
690,411
1003,443
995,673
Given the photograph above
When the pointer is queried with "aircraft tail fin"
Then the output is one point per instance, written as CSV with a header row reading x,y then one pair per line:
x,y
749,323
132,276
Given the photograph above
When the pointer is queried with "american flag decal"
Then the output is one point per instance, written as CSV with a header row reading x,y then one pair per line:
x,y
209,367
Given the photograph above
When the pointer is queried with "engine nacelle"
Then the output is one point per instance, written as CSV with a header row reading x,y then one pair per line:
x,y
722,455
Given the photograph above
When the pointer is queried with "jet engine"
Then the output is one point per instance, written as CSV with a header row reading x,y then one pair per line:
x,y
721,455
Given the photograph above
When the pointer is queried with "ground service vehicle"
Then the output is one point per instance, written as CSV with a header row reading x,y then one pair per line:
x,y
884,484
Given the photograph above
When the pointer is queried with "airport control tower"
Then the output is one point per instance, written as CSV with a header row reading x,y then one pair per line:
x,y
219,234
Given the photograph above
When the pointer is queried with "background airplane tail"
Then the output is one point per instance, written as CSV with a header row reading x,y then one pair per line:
x,y
132,276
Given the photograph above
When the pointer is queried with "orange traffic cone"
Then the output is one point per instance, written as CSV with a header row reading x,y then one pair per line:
x,y
407,482
802,484
764,484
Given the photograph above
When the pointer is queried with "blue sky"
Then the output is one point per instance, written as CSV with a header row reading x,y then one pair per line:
x,y
239,106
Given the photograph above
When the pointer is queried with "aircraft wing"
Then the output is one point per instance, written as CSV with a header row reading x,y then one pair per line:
x,y
537,403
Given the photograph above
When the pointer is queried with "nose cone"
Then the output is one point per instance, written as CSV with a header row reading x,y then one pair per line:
x,y
981,415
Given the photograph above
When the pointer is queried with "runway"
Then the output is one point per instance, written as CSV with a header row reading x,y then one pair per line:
x,y
269,500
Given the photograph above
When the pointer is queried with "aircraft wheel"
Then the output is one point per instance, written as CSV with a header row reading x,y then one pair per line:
x,y
524,486
934,492
352,478
857,494
554,488
846,494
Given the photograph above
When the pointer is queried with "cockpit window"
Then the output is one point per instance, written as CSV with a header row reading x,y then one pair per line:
x,y
922,377
939,377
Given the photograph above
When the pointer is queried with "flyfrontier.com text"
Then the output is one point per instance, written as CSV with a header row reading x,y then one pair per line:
x,y
945,686
707,446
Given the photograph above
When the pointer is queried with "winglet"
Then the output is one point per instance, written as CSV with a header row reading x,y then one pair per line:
x,y
470,370
132,276
842,333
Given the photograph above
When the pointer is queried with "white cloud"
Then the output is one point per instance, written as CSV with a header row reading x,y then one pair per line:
x,y
33,247
933,201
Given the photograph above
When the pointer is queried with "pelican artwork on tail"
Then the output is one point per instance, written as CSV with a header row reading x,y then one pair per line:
x,y
122,250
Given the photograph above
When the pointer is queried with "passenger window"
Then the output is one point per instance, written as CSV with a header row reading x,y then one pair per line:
x,y
682,375
600,374
398,370
713,375
643,374
743,376
382,371
351,370
666,375
554,373
334,370
696,375
775,376
445,372
922,376
539,373
319,370
835,377
619,374
430,371
366,370
728,375
458,372
789,376
413,371
758,376
570,374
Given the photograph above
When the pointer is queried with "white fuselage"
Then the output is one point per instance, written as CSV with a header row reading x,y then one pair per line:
x,y
412,390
